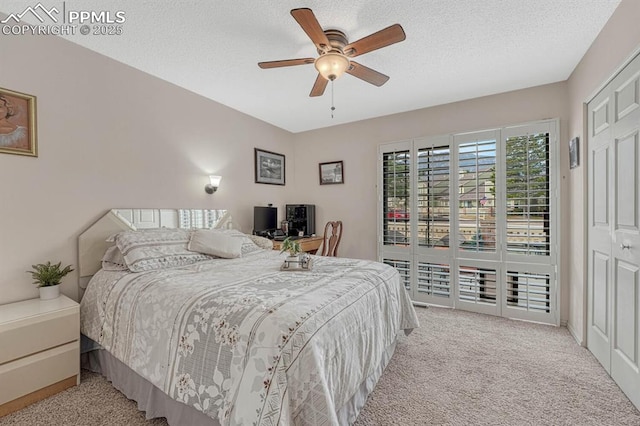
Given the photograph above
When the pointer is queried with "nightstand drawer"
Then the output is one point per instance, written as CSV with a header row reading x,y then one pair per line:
x,y
27,374
37,333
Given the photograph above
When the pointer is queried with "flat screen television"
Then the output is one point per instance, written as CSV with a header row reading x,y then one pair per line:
x,y
265,219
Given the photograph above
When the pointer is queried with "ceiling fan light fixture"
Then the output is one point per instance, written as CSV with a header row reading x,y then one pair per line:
x,y
336,52
332,65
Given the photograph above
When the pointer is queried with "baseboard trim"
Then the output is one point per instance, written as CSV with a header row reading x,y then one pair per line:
x,y
30,398
572,331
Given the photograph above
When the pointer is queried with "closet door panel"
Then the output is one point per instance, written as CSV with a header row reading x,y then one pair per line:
x,y
600,228
614,229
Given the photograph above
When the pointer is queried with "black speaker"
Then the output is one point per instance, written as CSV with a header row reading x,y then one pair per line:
x,y
301,217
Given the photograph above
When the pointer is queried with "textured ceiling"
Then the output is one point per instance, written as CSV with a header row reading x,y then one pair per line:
x,y
455,50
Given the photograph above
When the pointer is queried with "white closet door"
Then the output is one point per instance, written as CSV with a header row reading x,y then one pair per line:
x,y
614,237
625,362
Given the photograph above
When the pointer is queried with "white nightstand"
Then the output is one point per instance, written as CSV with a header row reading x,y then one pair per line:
x,y
39,350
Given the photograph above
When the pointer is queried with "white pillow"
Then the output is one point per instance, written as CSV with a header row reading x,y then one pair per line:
x,y
113,260
152,249
215,243
248,246
261,242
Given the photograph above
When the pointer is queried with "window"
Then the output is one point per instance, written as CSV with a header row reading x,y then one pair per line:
x,y
396,195
470,220
476,201
433,196
527,188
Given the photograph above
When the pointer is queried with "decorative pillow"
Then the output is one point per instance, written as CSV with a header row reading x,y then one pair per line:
x,y
262,242
248,246
113,260
151,249
215,243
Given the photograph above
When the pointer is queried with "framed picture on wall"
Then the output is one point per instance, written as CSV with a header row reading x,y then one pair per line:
x,y
18,123
574,153
332,172
269,167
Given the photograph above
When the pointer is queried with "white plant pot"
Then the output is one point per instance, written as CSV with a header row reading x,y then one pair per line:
x,y
292,262
49,292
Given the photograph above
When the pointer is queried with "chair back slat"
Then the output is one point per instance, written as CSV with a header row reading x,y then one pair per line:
x,y
332,236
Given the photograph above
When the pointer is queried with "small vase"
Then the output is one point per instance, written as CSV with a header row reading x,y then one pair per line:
x,y
292,262
49,292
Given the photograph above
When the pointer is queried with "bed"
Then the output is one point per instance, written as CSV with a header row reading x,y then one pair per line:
x,y
235,341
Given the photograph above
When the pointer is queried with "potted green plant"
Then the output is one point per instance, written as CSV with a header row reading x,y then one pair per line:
x,y
47,277
293,247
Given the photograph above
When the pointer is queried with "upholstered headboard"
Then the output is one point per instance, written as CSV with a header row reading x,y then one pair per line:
x,y
92,242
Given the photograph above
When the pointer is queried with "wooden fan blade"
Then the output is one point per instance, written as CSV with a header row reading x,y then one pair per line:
x,y
319,86
382,38
310,25
285,63
367,74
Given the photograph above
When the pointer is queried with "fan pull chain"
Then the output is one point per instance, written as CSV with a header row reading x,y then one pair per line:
x,y
333,108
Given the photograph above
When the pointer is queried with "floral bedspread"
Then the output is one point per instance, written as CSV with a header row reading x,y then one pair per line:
x,y
247,343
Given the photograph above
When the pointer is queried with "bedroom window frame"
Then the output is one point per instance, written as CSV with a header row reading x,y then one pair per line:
x,y
428,269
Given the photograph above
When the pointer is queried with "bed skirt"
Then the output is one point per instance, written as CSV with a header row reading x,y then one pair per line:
x,y
156,403
150,399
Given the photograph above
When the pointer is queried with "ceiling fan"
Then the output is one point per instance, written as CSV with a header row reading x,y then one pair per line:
x,y
336,52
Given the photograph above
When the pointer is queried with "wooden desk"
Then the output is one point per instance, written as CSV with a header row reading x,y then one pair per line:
x,y
308,244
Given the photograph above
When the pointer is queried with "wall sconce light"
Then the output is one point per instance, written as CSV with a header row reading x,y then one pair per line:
x,y
212,187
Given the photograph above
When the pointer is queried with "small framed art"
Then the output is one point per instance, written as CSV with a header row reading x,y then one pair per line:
x,y
331,173
574,153
269,167
18,123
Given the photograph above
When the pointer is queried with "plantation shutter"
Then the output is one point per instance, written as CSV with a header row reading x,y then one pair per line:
x,y
470,220
531,218
476,195
433,198
394,233
396,176
432,252
527,190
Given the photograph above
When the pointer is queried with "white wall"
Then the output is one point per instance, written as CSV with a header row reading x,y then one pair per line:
x,y
615,43
112,136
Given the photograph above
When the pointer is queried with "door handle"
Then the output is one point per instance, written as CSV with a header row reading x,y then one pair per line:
x,y
624,246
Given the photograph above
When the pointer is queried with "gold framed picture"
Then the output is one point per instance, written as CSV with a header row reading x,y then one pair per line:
x,y
18,123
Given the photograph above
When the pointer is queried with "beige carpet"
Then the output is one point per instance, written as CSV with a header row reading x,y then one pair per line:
x,y
459,368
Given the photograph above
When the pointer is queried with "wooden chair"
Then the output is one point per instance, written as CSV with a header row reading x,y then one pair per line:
x,y
332,235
